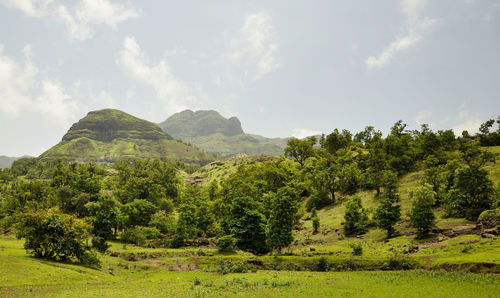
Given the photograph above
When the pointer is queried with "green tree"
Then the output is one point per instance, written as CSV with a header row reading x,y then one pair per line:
x,y
284,207
138,212
421,215
315,221
388,212
54,235
300,150
355,217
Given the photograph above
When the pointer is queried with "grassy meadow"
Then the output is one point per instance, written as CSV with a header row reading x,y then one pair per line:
x,y
23,275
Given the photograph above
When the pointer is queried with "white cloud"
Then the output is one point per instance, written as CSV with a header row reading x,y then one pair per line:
x,y
55,104
301,133
416,27
465,120
174,94
79,18
31,8
255,46
16,82
23,89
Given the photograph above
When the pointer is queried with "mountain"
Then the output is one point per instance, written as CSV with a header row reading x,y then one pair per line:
x,y
189,124
109,135
6,161
212,132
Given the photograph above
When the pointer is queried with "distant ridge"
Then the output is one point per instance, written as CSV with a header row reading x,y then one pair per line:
x,y
210,131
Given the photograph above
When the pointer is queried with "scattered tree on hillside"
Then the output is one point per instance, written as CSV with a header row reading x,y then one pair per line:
x,y
421,215
355,217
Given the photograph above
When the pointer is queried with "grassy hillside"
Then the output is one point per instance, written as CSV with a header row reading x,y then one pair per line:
x,y
218,170
108,135
211,132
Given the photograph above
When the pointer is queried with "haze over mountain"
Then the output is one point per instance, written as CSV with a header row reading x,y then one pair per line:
x,y
109,135
6,161
210,131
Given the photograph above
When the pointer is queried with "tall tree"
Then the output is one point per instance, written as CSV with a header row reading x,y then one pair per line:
x,y
284,207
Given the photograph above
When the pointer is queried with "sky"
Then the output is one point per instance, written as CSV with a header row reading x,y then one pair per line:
x,y
284,68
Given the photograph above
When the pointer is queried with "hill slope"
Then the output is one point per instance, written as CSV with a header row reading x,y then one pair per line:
x,y
109,135
213,133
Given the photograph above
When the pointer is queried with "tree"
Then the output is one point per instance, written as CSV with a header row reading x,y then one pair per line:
x,y
375,160
472,191
300,150
315,221
336,141
281,220
421,215
355,217
54,235
138,212
248,225
388,212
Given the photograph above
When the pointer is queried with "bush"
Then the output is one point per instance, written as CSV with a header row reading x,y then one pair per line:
x,y
53,235
315,222
139,235
489,218
421,215
322,264
355,217
226,266
357,249
226,243
100,244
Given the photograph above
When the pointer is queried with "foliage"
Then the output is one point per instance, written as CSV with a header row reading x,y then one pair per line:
x,y
226,243
388,212
284,207
489,218
421,215
138,212
54,235
300,150
322,264
355,217
357,249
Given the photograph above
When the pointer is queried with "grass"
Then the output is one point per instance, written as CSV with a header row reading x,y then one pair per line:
x,y
22,275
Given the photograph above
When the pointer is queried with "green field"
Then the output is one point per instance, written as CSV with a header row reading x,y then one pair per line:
x,y
22,275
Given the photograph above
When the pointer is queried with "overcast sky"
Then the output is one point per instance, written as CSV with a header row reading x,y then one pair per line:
x,y
282,67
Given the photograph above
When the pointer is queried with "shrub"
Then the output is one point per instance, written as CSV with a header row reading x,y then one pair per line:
x,y
315,222
226,266
226,243
322,264
489,218
355,217
100,244
53,235
139,235
421,215
357,249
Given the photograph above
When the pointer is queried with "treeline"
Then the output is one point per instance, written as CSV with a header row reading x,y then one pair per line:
x,y
256,208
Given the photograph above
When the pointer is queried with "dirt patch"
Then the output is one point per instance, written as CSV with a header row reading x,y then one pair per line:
x,y
172,267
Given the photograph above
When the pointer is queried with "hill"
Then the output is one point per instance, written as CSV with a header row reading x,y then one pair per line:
x,y
212,132
109,135
6,161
